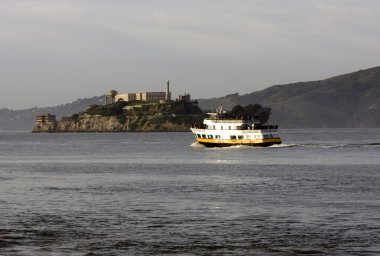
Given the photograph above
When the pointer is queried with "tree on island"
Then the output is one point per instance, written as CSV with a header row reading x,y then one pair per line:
x,y
251,110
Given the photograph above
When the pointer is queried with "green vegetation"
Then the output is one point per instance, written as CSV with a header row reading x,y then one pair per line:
x,y
122,119
107,110
154,116
164,110
74,118
255,110
142,115
184,108
179,113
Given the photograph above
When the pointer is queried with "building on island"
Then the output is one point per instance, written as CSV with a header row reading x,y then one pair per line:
x,y
114,96
125,97
45,123
185,98
46,119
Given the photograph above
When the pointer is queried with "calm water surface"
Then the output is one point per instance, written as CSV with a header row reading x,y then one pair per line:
x,y
162,194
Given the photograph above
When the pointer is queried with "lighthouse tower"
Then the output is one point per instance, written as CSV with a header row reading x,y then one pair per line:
x,y
168,94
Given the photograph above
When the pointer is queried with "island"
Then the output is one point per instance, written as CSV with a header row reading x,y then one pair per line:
x,y
139,112
138,116
126,116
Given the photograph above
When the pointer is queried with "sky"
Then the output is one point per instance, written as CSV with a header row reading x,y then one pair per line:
x,y
53,52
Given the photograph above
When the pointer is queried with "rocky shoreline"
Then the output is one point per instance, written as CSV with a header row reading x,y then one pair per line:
x,y
111,124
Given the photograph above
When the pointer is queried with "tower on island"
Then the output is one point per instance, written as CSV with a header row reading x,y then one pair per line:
x,y
168,94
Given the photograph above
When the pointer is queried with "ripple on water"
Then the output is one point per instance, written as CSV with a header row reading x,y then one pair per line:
x,y
180,200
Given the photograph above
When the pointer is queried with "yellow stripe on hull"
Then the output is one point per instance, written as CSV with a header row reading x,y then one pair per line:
x,y
239,142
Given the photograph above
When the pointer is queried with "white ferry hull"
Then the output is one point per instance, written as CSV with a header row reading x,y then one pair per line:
x,y
226,143
227,138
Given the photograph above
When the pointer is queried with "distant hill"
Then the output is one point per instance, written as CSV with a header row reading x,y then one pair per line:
x,y
350,100
23,120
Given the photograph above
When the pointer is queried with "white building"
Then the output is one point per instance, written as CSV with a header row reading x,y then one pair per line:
x,y
125,97
114,96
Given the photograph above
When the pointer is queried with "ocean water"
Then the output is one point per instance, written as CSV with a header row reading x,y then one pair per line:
x,y
163,194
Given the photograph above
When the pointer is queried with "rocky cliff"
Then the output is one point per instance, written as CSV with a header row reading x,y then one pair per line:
x,y
45,127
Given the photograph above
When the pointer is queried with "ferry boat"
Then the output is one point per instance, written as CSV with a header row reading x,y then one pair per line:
x,y
218,130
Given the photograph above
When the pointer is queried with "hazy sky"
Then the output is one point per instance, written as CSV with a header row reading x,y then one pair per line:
x,y
55,51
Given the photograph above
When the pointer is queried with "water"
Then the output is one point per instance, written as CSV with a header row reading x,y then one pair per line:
x,y
162,194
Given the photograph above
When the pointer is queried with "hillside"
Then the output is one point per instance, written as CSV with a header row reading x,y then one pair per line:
x,y
23,120
350,100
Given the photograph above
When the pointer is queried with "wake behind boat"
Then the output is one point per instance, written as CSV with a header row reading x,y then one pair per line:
x,y
218,130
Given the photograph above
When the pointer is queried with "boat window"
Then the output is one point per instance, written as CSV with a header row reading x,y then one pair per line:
x,y
229,127
240,137
233,137
204,136
217,136
209,136
198,135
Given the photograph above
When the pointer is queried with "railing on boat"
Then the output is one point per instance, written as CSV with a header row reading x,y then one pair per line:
x,y
243,127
